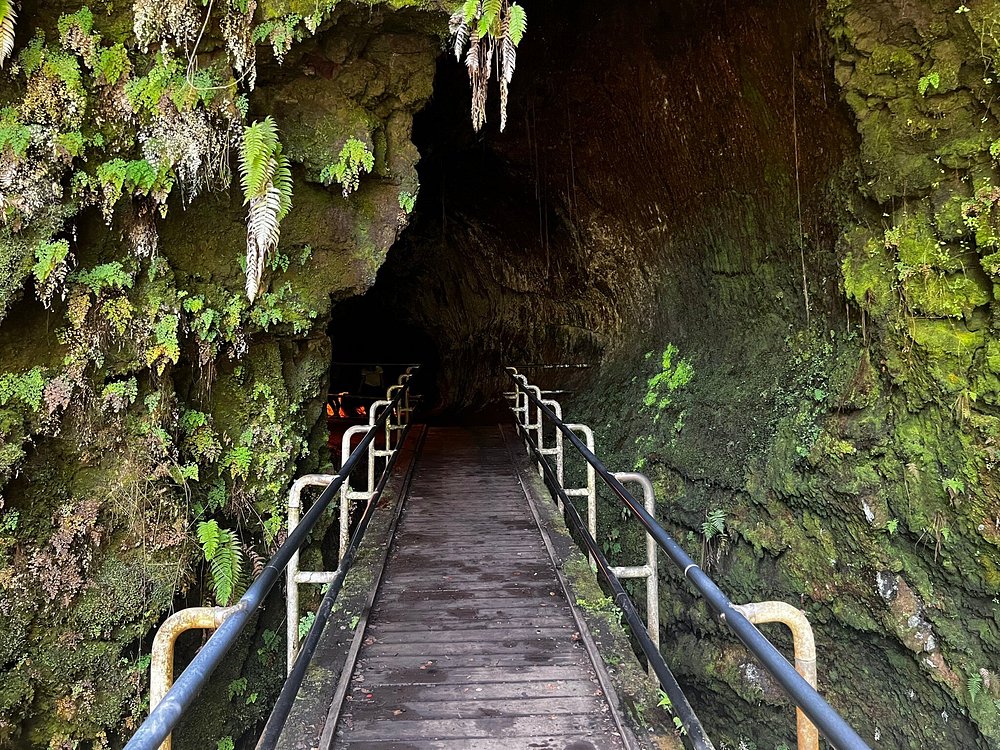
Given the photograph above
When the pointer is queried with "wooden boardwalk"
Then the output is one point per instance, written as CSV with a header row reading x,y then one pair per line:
x,y
471,643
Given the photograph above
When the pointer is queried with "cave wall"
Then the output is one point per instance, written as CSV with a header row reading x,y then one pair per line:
x,y
141,393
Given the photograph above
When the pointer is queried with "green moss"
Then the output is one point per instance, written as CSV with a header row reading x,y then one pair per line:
x,y
946,295
869,274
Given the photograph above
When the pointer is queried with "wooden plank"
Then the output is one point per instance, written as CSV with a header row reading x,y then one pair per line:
x,y
537,743
582,726
465,675
549,621
499,662
389,703
460,636
440,650
486,690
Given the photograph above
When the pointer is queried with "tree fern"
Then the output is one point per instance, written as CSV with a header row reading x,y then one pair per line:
x,y
8,21
484,29
267,188
224,554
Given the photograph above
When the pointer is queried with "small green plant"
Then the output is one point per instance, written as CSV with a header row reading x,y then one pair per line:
x,y
119,395
306,623
354,158
974,685
891,525
50,269
354,622
224,554
15,136
165,346
953,486
666,703
407,201
113,64
931,79
713,535
239,458
279,33
135,178
603,604
226,743
237,688
671,377
714,525
266,653
26,387
9,521
105,277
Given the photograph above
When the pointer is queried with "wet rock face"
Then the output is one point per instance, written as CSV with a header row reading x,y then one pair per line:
x,y
639,153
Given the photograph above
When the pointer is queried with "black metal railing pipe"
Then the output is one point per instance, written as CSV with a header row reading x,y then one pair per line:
x,y
290,690
821,713
168,712
695,735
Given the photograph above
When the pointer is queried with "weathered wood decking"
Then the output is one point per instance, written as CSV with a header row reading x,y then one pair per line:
x,y
471,642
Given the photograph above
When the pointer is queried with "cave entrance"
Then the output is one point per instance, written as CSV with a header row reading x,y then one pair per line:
x,y
651,157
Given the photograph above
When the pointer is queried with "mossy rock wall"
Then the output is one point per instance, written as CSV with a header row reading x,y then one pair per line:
x,y
147,394
849,456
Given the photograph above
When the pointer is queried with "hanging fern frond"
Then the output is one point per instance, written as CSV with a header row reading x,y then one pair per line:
x,y
208,535
508,54
458,27
224,555
472,57
485,29
469,10
518,19
8,22
266,178
489,18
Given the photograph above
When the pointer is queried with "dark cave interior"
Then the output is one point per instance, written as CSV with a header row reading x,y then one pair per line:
x,y
636,154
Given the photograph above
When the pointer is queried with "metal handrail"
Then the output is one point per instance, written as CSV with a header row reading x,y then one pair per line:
x,y
169,711
830,723
694,732
289,690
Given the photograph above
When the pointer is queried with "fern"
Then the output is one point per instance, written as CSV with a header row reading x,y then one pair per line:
x,y
224,554
8,22
50,269
266,177
484,29
715,525
354,158
974,684
518,23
